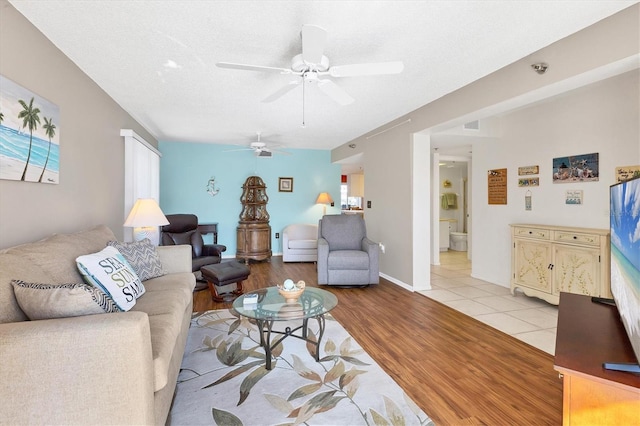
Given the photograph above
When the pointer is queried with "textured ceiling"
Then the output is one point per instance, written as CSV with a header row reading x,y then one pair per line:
x,y
157,58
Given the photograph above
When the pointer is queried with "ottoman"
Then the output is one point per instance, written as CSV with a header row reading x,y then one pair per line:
x,y
220,276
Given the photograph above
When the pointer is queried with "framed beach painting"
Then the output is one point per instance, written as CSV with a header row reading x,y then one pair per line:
x,y
29,135
576,168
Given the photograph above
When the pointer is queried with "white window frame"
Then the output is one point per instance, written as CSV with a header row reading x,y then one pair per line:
x,y
141,173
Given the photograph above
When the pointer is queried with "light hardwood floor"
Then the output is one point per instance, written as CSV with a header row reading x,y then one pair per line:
x,y
457,369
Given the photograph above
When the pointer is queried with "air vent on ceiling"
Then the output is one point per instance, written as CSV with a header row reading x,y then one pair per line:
x,y
472,125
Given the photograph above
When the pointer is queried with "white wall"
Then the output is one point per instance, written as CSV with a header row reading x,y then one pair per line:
x,y
601,118
607,48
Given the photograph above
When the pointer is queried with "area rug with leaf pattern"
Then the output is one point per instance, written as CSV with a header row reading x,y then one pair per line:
x,y
223,379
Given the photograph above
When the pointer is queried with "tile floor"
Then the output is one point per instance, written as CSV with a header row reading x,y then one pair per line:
x,y
526,318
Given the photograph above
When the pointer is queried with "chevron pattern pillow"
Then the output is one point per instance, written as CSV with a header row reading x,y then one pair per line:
x,y
45,301
142,256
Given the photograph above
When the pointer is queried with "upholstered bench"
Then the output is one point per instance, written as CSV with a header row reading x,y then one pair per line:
x,y
221,276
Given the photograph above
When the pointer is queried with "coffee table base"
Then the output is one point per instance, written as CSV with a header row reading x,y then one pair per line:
x,y
266,329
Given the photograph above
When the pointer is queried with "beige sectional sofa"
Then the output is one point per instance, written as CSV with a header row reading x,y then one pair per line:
x,y
111,368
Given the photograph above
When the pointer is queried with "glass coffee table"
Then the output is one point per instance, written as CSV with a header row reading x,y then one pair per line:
x,y
272,307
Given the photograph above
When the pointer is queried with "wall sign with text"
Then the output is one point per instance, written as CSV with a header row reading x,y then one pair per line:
x,y
497,186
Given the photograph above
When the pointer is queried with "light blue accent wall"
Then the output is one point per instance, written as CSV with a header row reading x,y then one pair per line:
x,y
185,169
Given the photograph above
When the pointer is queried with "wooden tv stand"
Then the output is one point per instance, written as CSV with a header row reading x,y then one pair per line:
x,y
588,335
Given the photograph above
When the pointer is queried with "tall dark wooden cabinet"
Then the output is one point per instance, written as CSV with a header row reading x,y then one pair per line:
x,y
254,231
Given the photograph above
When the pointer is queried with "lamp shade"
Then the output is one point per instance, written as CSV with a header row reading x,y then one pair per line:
x,y
324,198
145,212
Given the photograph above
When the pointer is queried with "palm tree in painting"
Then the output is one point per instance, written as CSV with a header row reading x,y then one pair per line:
x,y
31,119
1,117
50,130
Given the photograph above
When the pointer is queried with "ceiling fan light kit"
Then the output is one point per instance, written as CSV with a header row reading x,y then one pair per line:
x,y
311,64
261,148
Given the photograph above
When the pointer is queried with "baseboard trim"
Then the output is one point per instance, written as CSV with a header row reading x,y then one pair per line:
x,y
397,282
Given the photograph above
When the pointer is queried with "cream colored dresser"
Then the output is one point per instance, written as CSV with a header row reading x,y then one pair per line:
x,y
547,260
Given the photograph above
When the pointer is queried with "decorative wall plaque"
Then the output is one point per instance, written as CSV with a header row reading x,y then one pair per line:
x,y
528,170
626,172
497,186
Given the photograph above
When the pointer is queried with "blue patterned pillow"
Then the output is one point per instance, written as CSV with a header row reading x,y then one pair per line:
x,y
110,272
45,301
142,256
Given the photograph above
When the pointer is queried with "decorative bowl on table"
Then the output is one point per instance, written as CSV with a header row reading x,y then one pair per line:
x,y
291,291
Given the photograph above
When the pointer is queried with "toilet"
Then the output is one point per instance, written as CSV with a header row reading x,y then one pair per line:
x,y
458,241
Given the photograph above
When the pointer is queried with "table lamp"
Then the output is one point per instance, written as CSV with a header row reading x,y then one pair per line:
x,y
324,198
144,218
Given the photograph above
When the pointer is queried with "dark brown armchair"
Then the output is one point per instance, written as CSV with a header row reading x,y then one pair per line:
x,y
183,229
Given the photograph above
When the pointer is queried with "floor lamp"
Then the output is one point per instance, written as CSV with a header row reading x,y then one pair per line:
x,y
324,198
144,218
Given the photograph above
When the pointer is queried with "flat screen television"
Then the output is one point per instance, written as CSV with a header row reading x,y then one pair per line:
x,y
625,261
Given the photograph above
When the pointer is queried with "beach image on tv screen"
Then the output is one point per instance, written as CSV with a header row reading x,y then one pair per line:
x,y
625,256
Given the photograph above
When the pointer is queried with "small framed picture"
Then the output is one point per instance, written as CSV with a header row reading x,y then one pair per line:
x,y
285,184
574,197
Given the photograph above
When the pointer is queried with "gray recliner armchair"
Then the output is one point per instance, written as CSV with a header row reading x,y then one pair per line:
x,y
345,255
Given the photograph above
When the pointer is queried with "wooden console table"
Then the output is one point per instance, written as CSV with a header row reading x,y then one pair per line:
x,y
588,335
209,228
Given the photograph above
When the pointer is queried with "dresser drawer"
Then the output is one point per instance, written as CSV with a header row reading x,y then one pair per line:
x,y
577,238
537,233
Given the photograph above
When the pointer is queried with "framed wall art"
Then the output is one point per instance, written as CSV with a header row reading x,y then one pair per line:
x,y
285,184
576,168
29,135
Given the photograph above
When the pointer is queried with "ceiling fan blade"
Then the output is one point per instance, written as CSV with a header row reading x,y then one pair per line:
x,y
314,39
335,92
279,152
238,149
377,68
281,92
252,67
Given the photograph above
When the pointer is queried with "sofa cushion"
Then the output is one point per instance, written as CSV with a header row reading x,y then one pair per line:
x,y
164,335
180,281
109,271
45,301
348,260
16,267
303,244
142,256
165,301
55,255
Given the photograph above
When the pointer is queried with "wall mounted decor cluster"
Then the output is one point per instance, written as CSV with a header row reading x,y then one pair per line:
x,y
528,171
576,168
29,141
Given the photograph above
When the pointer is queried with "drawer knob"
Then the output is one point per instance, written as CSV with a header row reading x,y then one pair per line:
x,y
575,238
530,232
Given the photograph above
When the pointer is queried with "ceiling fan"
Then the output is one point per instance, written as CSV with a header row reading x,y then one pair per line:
x,y
311,65
261,148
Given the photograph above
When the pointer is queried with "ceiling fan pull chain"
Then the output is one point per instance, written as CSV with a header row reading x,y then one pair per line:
x,y
303,93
